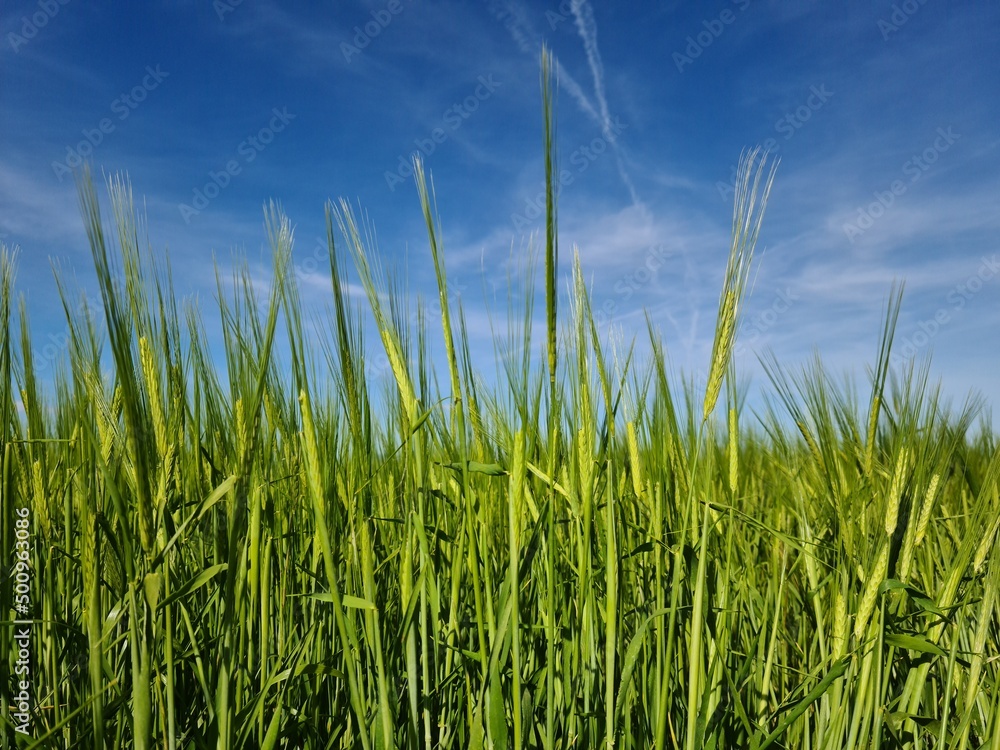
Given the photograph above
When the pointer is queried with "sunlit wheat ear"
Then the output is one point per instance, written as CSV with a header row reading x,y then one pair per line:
x,y
987,542
810,443
840,624
107,424
164,480
375,288
638,478
872,427
906,553
748,213
314,479
925,510
872,584
896,491
149,372
724,328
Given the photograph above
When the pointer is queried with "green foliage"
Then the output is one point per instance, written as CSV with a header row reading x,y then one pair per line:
x,y
578,557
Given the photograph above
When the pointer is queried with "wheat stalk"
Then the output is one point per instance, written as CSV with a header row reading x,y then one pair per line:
x,y
748,213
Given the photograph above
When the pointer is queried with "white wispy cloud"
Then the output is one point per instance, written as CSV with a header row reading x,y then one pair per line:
x,y
32,209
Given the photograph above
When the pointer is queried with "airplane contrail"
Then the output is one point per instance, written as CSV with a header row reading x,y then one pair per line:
x,y
587,28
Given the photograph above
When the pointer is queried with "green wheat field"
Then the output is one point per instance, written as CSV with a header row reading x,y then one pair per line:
x,y
266,545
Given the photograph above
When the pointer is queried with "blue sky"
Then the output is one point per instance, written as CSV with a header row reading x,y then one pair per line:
x,y
884,115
